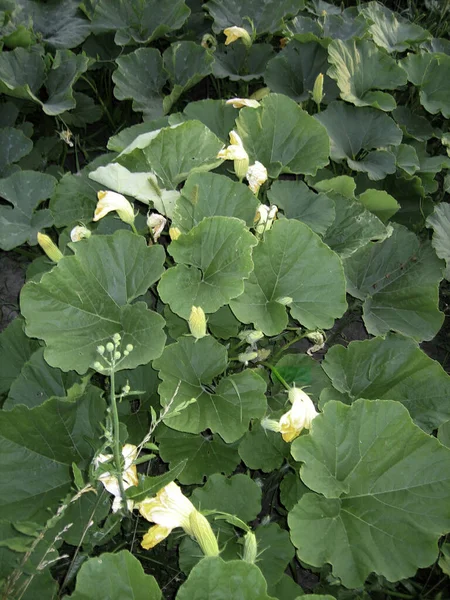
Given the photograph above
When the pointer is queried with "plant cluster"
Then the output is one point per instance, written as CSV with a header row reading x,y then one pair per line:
x,y
208,195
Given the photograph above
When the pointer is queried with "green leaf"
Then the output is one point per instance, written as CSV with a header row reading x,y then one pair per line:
x,y
132,20
205,454
149,486
66,69
412,124
84,113
291,490
439,221
232,580
22,73
385,486
212,195
398,279
292,262
187,63
239,63
444,434
191,365
59,23
140,77
299,202
93,291
287,589
25,190
174,152
390,31
213,260
264,450
301,370
14,145
353,227
282,136
121,576
223,324
38,448
37,382
217,115
294,70
238,495
380,203
407,159
266,15
355,132
391,368
276,551
431,73
124,138
360,69
15,349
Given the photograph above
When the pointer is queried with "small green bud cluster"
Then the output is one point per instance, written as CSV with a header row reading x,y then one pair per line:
x,y
252,352
111,354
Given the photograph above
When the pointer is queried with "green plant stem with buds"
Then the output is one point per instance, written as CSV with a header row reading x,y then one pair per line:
x,y
116,434
277,375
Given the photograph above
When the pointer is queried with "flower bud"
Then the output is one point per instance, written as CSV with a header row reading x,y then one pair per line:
x,y
129,347
245,357
251,336
117,355
317,93
263,354
270,424
98,366
241,102
110,201
250,547
237,33
156,223
50,249
236,152
174,233
80,232
101,350
116,338
203,533
256,175
110,347
265,217
197,322
260,94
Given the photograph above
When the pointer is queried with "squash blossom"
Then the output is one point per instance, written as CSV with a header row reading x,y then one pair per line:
x,y
265,217
50,249
300,417
109,201
256,175
317,93
237,33
236,152
156,224
241,102
197,322
129,475
170,509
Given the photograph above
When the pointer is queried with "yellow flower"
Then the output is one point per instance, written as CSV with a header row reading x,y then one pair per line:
x,y
265,217
129,474
197,322
256,175
241,102
174,233
236,151
109,201
237,33
50,249
156,224
299,417
170,509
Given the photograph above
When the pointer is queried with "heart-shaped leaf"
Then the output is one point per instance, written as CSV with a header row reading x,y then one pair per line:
x,y
439,221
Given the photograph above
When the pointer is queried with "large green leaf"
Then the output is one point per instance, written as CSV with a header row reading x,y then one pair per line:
x,y
266,15
439,221
141,22
355,132
212,195
214,578
431,73
172,153
239,63
282,136
115,577
59,22
261,449
225,407
217,115
398,279
294,70
213,260
25,190
391,368
294,267
88,297
140,77
276,551
66,69
187,63
205,454
380,203
390,31
382,492
38,447
22,73
14,145
15,349
299,202
361,69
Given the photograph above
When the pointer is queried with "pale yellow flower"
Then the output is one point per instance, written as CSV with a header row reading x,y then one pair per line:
x,y
241,102
50,249
129,474
197,322
237,33
110,201
256,175
265,217
174,233
156,224
300,417
236,152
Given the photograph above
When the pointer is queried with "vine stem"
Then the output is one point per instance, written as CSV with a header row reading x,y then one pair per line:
x,y
277,375
289,344
133,227
116,435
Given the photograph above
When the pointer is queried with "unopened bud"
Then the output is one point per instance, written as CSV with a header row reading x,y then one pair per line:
x,y
203,533
50,249
79,233
318,89
250,547
110,347
129,347
259,94
270,424
174,233
197,322
156,224
246,357
126,389
101,350
116,338
98,366
316,337
251,336
117,355
263,354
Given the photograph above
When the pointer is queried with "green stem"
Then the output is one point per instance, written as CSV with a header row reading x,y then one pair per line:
x,y
277,375
133,227
289,344
116,434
